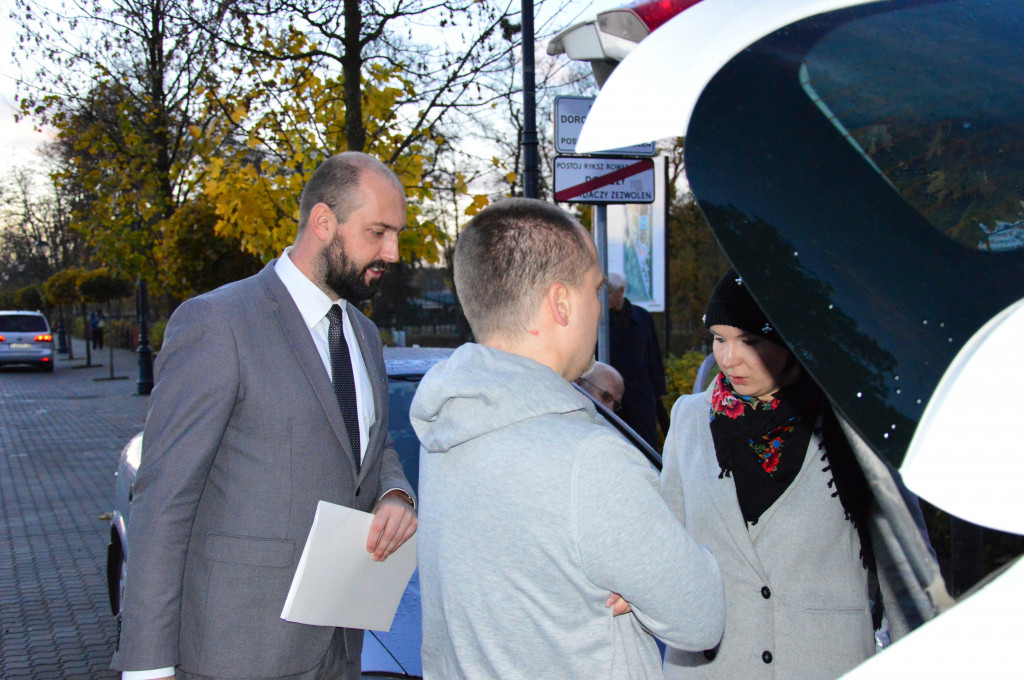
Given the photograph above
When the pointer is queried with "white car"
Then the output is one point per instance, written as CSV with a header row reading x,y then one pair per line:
x,y
25,338
865,160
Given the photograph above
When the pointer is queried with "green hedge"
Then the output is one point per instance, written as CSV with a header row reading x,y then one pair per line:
x,y
156,335
121,334
125,334
680,374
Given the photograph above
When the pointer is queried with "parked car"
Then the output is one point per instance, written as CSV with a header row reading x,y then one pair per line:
x,y
860,165
25,338
396,653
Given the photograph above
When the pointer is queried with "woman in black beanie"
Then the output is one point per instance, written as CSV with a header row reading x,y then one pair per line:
x,y
759,471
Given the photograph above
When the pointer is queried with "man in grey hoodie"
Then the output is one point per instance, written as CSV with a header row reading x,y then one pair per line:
x,y
538,524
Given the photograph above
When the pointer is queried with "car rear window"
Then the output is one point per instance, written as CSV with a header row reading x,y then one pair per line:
x,y
22,323
936,105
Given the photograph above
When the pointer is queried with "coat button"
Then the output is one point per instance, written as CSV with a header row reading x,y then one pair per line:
x,y
710,654
766,656
766,592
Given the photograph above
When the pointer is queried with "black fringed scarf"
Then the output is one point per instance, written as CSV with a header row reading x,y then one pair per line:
x,y
762,446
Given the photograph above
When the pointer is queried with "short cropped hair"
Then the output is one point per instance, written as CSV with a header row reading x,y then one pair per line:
x,y
336,183
507,257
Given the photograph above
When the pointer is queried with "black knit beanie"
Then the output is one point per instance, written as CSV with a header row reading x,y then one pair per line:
x,y
732,305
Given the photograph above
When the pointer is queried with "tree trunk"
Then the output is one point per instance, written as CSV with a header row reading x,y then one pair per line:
x,y
351,68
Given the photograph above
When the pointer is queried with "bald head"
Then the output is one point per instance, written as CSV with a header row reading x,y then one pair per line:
x,y
337,183
616,290
605,384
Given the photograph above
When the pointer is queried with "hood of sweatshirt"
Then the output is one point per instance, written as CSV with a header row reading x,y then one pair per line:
x,y
479,390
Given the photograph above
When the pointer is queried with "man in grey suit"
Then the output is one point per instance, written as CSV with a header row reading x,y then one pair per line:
x,y
246,433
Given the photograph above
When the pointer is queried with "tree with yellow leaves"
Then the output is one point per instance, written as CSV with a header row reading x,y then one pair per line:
x,y
164,105
282,132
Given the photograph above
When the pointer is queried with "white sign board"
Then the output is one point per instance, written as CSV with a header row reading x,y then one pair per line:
x,y
587,179
570,114
636,245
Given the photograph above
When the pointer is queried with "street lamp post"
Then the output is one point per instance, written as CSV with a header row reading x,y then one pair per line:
x,y
145,352
62,334
531,182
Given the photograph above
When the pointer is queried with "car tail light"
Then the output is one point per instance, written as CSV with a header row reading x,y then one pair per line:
x,y
656,13
44,359
635,21
3,339
46,337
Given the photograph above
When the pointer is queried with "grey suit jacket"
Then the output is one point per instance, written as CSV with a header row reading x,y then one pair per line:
x,y
244,437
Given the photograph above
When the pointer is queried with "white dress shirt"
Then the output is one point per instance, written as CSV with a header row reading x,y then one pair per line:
x,y
313,305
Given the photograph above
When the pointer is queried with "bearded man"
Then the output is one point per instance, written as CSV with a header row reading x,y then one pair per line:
x,y
271,395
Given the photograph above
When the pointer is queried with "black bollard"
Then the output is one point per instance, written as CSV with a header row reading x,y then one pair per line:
x,y
144,384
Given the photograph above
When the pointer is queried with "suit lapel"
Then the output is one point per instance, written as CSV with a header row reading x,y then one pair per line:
x,y
295,331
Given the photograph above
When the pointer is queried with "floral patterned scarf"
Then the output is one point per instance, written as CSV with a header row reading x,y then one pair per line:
x,y
762,444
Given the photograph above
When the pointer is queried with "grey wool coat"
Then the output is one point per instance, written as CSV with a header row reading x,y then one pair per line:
x,y
244,437
796,591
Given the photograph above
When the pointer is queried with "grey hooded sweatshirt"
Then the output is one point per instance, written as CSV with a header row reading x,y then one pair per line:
x,y
532,512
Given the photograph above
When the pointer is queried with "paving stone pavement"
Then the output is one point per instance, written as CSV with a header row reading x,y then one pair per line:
x,y
60,437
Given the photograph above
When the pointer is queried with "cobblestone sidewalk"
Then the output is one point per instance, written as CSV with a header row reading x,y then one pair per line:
x,y
60,437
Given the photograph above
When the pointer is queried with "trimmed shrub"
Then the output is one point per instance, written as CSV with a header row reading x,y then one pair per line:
x,y
680,374
156,335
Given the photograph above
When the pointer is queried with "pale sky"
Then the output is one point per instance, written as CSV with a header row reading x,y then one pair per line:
x,y
18,141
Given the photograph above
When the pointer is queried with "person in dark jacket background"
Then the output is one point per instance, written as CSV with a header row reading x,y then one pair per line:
x,y
636,354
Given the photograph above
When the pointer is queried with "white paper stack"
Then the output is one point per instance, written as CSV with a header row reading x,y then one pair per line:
x,y
337,583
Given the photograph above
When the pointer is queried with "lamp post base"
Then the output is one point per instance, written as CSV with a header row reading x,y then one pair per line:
x,y
144,384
